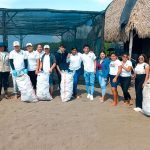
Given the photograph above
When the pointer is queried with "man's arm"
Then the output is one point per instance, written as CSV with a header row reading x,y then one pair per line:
x,y
40,66
58,69
95,66
12,64
52,67
37,65
53,58
26,63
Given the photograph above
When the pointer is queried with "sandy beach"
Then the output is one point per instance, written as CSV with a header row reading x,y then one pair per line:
x,y
75,125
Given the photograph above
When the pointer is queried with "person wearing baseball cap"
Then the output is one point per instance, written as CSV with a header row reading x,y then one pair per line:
x,y
33,63
18,64
48,63
4,70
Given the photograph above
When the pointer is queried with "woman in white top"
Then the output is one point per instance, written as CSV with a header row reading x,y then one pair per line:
x,y
141,78
125,78
115,70
4,70
33,64
74,59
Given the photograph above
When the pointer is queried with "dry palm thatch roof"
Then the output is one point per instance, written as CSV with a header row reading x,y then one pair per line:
x,y
139,20
112,20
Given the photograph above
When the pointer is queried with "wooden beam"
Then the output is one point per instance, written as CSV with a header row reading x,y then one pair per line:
x,y
131,44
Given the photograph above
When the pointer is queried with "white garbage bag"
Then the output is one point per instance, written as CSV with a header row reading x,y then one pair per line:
x,y
146,99
25,87
66,86
42,91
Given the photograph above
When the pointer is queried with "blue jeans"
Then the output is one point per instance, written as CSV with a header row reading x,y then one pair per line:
x,y
75,81
102,82
89,82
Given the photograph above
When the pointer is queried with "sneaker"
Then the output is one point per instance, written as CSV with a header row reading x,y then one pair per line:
x,y
91,97
137,109
88,96
51,98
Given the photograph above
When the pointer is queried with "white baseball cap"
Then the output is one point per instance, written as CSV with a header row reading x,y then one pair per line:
x,y
46,46
16,43
28,44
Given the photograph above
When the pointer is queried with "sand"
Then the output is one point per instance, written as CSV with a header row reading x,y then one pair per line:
x,y
76,125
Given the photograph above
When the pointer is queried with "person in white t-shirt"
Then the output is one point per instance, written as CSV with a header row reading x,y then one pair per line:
x,y
4,71
114,72
74,59
48,63
125,78
33,64
39,50
18,63
141,78
89,62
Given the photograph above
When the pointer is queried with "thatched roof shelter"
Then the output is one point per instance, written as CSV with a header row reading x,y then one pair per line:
x,y
139,20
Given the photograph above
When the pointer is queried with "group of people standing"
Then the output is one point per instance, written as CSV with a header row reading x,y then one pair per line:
x,y
105,69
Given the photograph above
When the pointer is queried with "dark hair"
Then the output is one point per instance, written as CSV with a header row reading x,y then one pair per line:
x,y
73,48
5,48
86,45
62,45
145,58
102,52
125,54
113,53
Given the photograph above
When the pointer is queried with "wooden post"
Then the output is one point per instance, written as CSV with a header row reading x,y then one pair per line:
x,y
131,44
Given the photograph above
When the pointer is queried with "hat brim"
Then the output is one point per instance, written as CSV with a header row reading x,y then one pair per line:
x,y
29,46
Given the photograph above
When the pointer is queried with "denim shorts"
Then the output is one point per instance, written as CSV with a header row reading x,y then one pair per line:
x,y
113,84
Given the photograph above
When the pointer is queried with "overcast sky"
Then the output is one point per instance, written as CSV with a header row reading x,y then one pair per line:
x,y
89,5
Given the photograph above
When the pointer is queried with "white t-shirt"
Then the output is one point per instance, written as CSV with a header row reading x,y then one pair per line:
x,y
114,66
18,59
32,60
75,61
88,61
46,64
140,68
3,54
40,54
125,73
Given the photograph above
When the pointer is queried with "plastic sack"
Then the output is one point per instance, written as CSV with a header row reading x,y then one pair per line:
x,y
42,91
146,99
66,86
25,87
